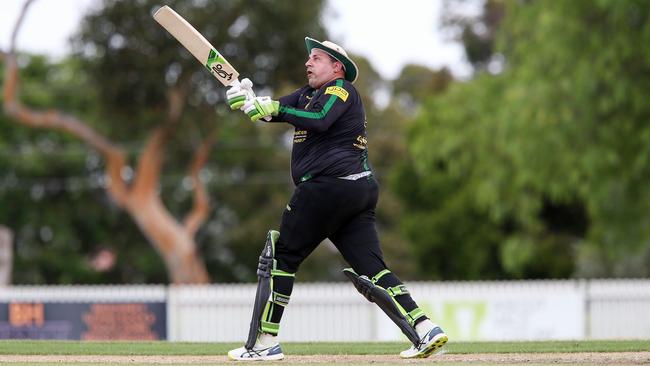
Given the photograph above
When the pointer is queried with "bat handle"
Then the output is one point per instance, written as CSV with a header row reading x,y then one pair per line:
x,y
250,94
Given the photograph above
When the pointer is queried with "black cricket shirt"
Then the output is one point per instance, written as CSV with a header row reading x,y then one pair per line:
x,y
330,131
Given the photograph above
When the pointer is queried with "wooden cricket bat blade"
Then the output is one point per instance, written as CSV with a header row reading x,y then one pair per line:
x,y
198,46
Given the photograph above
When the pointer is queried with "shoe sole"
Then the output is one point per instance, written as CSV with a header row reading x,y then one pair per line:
x,y
265,358
439,341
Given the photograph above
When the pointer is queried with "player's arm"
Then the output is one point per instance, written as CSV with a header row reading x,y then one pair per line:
x,y
318,116
321,112
293,98
290,100
237,96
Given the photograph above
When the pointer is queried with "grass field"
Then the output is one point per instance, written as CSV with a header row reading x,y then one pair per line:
x,y
45,353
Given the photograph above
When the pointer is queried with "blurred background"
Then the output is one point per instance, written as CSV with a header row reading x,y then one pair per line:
x,y
510,139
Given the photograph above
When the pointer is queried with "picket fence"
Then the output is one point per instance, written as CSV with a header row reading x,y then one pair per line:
x,y
503,310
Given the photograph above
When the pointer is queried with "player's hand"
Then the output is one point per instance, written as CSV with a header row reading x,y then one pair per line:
x,y
260,107
238,94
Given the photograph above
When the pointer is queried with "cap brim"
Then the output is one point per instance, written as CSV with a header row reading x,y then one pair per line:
x,y
351,70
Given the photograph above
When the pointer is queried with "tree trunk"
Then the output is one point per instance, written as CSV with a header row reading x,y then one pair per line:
x,y
6,255
172,241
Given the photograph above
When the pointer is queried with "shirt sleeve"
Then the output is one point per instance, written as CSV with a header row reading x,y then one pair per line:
x,y
289,100
293,98
322,112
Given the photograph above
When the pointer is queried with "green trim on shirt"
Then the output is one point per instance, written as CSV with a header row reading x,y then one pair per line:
x,y
313,115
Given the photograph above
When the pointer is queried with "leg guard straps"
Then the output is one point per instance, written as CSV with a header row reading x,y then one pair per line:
x,y
385,301
279,299
280,273
414,315
380,275
399,290
267,325
411,316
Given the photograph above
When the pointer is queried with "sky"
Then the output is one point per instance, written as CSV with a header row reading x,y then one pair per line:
x,y
390,34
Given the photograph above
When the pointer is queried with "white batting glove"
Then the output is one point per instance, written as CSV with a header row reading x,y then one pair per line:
x,y
238,94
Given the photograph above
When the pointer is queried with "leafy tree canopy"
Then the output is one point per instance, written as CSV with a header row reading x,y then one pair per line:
x,y
539,171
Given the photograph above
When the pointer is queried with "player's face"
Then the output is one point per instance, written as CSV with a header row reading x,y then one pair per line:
x,y
320,68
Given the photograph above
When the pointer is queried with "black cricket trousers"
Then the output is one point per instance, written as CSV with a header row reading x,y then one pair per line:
x,y
343,211
339,209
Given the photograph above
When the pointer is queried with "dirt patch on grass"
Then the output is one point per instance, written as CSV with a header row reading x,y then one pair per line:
x,y
590,358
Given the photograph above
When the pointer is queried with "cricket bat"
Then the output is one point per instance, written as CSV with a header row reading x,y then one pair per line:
x,y
200,48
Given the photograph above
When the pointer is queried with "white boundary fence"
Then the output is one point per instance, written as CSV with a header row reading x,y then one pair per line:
x,y
507,310
618,309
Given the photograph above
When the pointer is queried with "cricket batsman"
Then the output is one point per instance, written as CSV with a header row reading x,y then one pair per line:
x,y
335,197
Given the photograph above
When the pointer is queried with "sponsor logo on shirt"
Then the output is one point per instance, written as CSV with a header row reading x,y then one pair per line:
x,y
299,136
361,143
338,91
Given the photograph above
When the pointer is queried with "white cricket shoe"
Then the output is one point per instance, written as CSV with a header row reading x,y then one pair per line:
x,y
266,348
432,338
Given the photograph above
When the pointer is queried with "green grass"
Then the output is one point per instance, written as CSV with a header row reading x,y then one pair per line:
x,y
34,347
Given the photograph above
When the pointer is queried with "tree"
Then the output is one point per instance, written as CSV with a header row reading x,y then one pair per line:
x,y
584,103
52,189
537,172
173,240
157,91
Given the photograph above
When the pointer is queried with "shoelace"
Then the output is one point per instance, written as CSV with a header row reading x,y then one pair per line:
x,y
423,341
250,353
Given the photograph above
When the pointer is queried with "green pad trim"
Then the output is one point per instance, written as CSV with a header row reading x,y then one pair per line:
x,y
379,275
397,290
414,315
275,235
268,311
281,273
269,327
279,299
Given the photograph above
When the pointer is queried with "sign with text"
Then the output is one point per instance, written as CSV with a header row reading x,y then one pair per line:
x,y
541,311
85,321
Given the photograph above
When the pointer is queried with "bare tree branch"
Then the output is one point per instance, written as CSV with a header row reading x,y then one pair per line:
x,y
201,202
176,96
117,187
54,119
151,160
21,17
147,174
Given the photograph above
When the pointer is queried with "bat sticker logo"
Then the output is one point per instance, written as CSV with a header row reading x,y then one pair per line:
x,y
215,65
218,69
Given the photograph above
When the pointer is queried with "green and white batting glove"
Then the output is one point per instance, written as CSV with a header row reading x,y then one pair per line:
x,y
260,107
239,93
